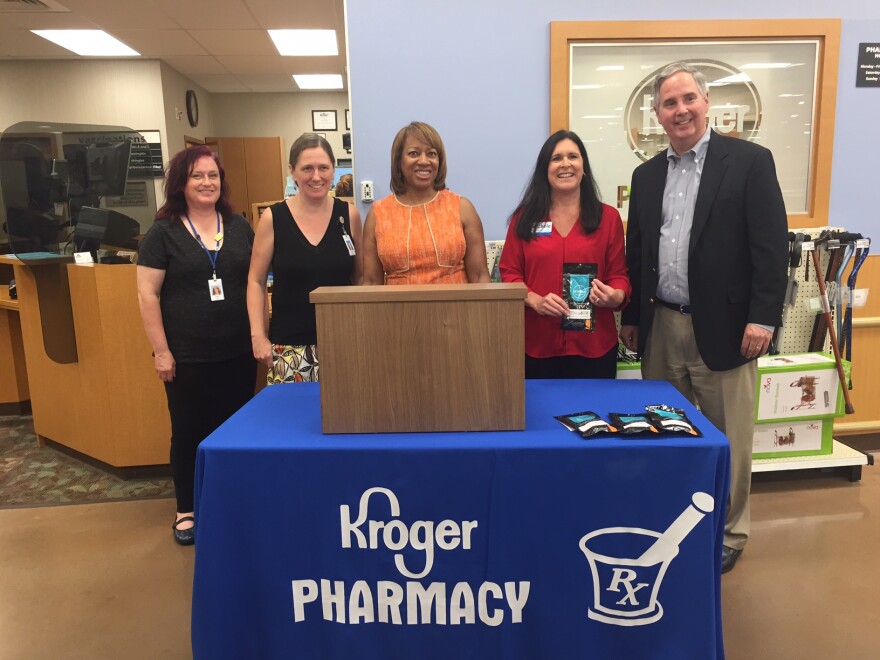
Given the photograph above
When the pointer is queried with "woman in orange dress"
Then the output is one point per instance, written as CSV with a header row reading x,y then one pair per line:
x,y
423,233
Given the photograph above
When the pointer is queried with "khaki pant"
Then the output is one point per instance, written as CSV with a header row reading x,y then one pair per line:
x,y
726,398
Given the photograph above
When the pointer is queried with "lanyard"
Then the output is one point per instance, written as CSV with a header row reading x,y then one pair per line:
x,y
217,237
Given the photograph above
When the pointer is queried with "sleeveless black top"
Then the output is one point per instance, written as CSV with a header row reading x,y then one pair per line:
x,y
298,268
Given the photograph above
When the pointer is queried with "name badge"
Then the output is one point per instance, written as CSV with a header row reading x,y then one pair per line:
x,y
215,288
543,229
349,244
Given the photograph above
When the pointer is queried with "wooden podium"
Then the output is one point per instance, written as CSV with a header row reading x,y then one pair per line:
x,y
400,359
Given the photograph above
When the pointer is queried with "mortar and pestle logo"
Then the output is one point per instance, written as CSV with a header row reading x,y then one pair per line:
x,y
628,565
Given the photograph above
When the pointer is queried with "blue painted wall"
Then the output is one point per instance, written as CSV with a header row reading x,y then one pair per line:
x,y
479,71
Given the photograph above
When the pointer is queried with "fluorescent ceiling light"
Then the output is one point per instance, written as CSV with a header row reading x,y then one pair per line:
x,y
587,86
610,67
95,43
728,80
768,65
318,81
600,117
307,43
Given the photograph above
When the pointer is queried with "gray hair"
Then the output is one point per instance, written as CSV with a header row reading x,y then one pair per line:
x,y
670,70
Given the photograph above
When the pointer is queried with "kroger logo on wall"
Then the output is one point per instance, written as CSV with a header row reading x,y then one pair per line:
x,y
734,107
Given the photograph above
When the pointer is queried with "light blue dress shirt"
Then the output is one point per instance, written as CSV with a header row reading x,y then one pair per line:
x,y
679,200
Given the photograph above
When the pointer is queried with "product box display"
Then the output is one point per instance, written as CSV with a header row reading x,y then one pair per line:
x,y
800,386
809,437
629,370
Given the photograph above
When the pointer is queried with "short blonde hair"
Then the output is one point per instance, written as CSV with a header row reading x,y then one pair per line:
x,y
423,133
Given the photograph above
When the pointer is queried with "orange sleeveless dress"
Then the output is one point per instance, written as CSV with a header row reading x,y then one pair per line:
x,y
422,244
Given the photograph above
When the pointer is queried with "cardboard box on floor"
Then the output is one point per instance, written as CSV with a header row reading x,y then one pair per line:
x,y
796,400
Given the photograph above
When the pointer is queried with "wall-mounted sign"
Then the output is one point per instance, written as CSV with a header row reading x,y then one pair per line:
x,y
146,156
868,72
611,103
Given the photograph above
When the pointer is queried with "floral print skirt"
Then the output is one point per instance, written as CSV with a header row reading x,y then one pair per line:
x,y
293,364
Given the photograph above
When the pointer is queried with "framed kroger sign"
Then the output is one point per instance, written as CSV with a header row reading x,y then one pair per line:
x,y
772,82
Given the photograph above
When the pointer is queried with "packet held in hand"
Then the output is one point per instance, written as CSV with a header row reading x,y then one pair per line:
x,y
632,423
576,281
586,423
670,419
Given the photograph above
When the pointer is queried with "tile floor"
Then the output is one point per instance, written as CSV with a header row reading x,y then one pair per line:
x,y
103,581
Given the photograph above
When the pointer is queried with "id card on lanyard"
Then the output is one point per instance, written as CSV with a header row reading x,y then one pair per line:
x,y
215,284
346,238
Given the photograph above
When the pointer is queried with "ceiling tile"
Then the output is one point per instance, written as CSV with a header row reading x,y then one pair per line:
x,y
24,44
191,66
235,42
122,14
161,43
244,64
30,21
220,84
274,83
186,35
302,14
214,15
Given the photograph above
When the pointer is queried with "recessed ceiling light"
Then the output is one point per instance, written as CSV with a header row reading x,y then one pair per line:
x,y
95,43
318,81
312,43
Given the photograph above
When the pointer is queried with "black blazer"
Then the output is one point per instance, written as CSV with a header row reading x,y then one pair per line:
x,y
738,253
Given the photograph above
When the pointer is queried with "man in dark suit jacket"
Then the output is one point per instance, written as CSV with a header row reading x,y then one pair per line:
x,y
707,251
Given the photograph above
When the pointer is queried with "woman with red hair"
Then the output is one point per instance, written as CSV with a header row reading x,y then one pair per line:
x,y
192,283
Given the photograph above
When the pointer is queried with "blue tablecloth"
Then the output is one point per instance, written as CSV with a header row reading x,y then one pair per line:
x,y
507,545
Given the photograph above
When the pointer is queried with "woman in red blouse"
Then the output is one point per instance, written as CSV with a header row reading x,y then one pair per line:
x,y
560,222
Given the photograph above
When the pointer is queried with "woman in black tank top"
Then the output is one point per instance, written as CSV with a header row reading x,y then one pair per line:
x,y
309,240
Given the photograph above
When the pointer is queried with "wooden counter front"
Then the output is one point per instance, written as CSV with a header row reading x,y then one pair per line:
x,y
14,392
92,383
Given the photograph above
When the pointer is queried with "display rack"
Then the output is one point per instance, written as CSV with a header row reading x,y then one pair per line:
x,y
842,456
796,339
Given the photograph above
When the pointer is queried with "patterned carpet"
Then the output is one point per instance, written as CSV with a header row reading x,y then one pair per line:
x,y
42,476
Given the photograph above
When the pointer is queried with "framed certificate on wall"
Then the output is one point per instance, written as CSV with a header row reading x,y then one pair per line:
x,y
324,120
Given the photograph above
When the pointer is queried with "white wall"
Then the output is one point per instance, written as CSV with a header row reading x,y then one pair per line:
x,y
108,92
174,88
480,73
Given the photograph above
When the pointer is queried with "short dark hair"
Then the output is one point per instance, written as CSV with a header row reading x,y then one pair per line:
x,y
534,207
424,133
177,174
309,141
670,70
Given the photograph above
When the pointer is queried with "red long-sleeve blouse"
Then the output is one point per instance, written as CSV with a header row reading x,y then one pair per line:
x,y
538,264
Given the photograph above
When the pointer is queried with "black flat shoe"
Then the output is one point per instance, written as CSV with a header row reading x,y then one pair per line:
x,y
184,536
728,558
